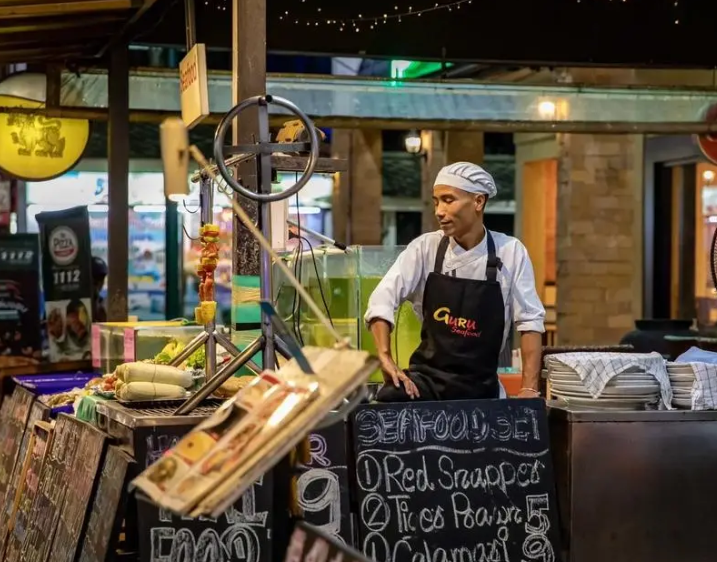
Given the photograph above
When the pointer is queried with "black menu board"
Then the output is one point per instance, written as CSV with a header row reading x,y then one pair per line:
x,y
81,479
28,486
310,544
12,434
466,480
20,338
38,412
54,484
241,534
323,485
107,512
67,282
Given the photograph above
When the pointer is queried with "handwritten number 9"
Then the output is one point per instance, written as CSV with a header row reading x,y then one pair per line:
x,y
537,547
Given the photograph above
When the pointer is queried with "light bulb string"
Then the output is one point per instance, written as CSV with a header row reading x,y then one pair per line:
x,y
374,20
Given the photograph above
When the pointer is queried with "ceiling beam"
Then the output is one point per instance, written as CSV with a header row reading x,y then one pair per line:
x,y
489,126
64,8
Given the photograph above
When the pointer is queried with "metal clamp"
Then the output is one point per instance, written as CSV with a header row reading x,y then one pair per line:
x,y
265,149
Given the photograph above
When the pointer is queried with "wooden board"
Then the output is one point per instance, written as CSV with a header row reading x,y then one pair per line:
x,y
82,480
29,485
56,478
108,506
38,412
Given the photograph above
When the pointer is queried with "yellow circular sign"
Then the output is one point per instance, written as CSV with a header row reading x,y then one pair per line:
x,y
37,147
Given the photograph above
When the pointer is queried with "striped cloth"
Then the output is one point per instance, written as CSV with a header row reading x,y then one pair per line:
x,y
597,369
704,390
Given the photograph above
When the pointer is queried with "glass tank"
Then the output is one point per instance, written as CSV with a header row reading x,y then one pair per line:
x,y
114,343
341,284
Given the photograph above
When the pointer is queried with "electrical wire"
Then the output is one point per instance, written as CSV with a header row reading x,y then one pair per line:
x,y
318,280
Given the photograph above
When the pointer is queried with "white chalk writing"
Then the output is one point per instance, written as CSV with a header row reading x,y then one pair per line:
x,y
453,484
387,426
232,538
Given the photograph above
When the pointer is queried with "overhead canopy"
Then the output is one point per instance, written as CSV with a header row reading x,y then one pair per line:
x,y
47,30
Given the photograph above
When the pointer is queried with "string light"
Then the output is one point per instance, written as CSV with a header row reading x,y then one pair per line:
x,y
371,22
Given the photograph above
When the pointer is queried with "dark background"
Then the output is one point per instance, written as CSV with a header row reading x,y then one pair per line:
x,y
537,32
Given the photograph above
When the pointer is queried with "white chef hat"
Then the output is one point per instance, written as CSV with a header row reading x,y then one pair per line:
x,y
468,177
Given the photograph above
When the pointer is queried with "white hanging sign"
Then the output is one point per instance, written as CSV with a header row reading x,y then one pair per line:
x,y
193,86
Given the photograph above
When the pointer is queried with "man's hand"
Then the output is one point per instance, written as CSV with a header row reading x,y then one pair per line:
x,y
392,374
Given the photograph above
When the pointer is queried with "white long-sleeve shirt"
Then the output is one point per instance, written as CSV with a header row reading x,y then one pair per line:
x,y
407,277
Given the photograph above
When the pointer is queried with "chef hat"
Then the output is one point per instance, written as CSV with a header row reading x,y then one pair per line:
x,y
468,177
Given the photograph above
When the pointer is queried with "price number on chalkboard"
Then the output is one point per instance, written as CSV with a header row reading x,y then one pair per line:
x,y
66,277
536,545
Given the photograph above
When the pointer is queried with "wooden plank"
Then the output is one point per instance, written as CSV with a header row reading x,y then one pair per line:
x,y
62,8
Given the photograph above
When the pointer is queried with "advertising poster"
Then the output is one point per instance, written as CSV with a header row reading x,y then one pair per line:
x,y
67,282
20,337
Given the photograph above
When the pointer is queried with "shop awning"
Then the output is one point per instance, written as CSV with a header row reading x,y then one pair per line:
x,y
46,30
354,102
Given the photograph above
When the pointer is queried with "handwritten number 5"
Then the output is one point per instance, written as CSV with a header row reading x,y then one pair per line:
x,y
537,506
536,545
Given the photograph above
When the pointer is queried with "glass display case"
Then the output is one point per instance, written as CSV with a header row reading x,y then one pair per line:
x,y
341,283
114,343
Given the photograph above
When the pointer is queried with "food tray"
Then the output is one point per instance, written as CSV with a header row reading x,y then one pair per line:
x,y
168,404
55,383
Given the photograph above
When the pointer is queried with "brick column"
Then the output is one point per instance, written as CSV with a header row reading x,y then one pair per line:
x,y
599,238
358,193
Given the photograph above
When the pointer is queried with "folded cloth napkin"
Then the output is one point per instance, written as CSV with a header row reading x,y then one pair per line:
x,y
597,369
697,355
704,390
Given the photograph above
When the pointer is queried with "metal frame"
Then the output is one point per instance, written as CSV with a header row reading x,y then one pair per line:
x,y
262,151
211,336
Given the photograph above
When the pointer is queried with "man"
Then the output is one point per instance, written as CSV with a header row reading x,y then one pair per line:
x,y
99,274
466,283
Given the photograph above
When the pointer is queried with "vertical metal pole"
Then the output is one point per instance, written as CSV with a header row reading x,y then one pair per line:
x,y
173,271
190,24
206,202
248,79
265,220
118,172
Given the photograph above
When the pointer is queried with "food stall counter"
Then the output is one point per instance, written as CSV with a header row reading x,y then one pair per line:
x,y
635,486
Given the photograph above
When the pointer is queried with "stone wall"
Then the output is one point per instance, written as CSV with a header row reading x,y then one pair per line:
x,y
599,238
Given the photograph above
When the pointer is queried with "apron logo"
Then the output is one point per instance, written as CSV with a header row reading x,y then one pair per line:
x,y
460,326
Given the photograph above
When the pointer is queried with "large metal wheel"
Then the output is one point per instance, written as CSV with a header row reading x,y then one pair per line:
x,y
264,149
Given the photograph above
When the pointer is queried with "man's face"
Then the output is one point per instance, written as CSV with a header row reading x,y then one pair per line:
x,y
456,210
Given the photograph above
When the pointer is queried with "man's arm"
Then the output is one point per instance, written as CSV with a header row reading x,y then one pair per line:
x,y
529,317
381,332
531,346
404,277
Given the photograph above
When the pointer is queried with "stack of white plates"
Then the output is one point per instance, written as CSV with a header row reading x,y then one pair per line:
x,y
632,390
682,378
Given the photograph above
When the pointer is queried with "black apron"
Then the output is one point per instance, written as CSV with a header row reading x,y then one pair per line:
x,y
461,336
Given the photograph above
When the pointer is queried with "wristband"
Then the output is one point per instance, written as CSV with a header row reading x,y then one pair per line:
x,y
536,392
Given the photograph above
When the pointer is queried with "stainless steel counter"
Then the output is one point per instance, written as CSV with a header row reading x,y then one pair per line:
x,y
636,486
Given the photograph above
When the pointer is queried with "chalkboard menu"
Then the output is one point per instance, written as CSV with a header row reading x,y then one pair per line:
x,y
107,512
242,534
20,339
81,479
13,431
310,544
466,481
38,412
323,486
67,282
28,486
54,483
